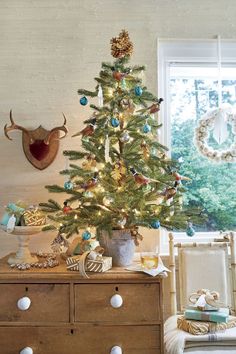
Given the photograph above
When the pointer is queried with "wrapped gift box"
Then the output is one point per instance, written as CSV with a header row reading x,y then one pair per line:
x,y
213,316
98,266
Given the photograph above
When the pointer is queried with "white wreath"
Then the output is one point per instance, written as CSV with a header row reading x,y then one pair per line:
x,y
205,124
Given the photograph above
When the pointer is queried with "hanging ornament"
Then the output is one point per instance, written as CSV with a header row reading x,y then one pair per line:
x,y
124,137
83,101
138,91
117,75
155,224
146,128
66,209
68,185
100,96
108,92
127,105
190,230
179,178
11,224
107,149
155,107
140,179
107,200
115,122
170,192
88,194
90,184
145,150
123,84
86,235
90,163
119,171
89,130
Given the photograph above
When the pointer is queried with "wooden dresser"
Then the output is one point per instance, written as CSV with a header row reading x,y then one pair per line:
x,y
70,315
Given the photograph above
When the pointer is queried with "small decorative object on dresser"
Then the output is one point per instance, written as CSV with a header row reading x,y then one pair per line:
x,y
31,221
23,234
59,312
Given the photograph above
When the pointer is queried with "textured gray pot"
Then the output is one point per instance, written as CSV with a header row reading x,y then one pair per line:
x,y
120,246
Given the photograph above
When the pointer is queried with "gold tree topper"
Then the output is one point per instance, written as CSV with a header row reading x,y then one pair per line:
x,y
121,46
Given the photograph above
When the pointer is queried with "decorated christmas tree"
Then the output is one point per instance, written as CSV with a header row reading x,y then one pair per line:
x,y
124,179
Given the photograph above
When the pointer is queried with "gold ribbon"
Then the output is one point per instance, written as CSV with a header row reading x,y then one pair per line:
x,y
136,236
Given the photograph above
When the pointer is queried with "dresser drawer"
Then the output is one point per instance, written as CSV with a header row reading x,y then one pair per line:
x,y
48,302
83,339
140,303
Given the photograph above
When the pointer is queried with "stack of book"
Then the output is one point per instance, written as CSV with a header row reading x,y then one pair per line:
x,y
217,315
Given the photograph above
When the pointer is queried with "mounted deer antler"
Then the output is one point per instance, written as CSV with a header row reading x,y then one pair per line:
x,y
40,145
13,126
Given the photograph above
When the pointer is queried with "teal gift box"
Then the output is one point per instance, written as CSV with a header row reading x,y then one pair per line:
x,y
212,316
13,209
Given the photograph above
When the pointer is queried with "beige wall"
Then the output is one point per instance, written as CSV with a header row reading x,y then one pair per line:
x,y
50,48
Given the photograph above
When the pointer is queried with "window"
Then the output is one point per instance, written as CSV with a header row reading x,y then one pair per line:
x,y
188,82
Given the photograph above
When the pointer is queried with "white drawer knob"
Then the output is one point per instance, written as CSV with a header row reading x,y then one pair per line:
x,y
27,350
116,302
116,350
24,304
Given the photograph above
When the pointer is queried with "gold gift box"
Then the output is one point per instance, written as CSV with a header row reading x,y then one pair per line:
x,y
34,217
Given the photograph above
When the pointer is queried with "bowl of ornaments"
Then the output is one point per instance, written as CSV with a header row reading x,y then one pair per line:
x,y
23,221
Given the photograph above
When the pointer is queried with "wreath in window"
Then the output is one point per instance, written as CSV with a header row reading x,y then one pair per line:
x,y
216,120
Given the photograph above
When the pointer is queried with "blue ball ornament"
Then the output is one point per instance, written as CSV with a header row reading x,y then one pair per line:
x,y
190,230
68,185
138,91
115,122
83,101
155,224
86,235
147,128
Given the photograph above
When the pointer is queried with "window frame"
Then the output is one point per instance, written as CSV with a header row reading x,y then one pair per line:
x,y
185,52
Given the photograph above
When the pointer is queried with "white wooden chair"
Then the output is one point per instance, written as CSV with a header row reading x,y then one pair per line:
x,y
201,265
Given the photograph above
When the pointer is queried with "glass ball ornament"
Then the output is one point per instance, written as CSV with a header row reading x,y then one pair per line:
x,y
86,235
107,201
146,128
115,122
125,137
88,194
155,224
68,185
83,101
138,91
190,230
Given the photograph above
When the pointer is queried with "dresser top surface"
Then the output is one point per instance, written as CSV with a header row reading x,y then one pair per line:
x,y
60,273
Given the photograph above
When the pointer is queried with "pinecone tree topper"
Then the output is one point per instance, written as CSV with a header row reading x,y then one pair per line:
x,y
121,46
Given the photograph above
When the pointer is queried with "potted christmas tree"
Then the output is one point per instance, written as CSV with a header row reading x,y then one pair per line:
x,y
125,179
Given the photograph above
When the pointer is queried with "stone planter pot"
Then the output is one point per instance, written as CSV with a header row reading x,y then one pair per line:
x,y
120,246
